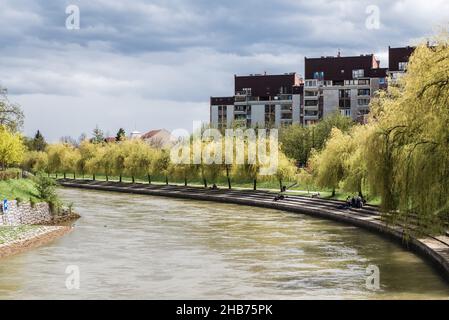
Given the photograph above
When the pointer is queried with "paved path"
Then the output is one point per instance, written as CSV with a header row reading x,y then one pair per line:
x,y
435,249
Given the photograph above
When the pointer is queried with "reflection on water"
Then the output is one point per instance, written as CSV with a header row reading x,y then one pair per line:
x,y
142,247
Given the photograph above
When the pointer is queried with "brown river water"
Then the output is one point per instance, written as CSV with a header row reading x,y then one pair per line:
x,y
143,247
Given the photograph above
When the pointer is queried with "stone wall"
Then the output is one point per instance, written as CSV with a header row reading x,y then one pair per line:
x,y
24,213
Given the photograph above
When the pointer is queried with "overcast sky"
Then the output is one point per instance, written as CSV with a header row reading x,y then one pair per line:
x,y
154,64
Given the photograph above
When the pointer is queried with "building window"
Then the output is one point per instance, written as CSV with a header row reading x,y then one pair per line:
x,y
358,73
311,83
309,93
344,93
270,115
363,102
318,75
382,81
286,116
311,113
247,91
222,116
363,82
310,103
402,66
363,92
344,98
346,112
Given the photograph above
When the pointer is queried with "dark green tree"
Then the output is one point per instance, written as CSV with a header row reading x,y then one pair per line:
x,y
98,135
121,135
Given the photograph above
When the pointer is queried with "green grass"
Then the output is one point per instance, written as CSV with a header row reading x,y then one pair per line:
x,y
18,188
270,185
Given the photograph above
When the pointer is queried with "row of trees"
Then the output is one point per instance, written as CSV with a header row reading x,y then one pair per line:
x,y
137,159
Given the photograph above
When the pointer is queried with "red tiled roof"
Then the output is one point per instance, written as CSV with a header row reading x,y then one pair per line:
x,y
150,134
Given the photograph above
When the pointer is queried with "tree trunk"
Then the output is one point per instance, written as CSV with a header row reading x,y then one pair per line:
x,y
132,179
64,175
205,183
166,180
93,176
149,179
74,176
280,184
255,184
227,176
333,192
120,178
185,182
107,178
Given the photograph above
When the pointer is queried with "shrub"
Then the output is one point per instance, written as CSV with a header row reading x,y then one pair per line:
x,y
33,202
9,174
19,201
46,188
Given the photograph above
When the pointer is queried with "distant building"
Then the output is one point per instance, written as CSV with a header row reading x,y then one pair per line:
x,y
259,101
157,138
341,84
398,60
332,84
135,135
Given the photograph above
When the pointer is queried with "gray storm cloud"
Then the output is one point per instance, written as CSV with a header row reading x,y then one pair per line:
x,y
150,64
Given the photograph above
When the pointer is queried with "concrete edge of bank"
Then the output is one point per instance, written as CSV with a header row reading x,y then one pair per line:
x,y
41,236
433,249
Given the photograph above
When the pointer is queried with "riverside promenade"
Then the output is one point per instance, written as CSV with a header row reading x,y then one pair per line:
x,y
433,249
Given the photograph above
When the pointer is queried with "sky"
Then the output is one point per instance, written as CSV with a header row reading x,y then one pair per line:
x,y
145,65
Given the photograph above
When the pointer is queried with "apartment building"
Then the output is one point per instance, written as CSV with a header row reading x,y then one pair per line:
x,y
397,61
332,84
341,84
263,101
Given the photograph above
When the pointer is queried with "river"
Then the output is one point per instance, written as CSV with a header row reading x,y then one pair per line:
x,y
143,247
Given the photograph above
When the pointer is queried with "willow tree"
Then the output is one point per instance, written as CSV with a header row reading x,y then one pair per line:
x,y
354,161
408,153
161,163
328,165
94,165
12,148
286,170
245,163
56,155
137,158
35,161
87,151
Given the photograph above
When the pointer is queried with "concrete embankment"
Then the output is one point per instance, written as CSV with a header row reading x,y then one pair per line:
x,y
20,240
434,249
24,226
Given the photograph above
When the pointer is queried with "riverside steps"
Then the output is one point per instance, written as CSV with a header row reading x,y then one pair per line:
x,y
434,249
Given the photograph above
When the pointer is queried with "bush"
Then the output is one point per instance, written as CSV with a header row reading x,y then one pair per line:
x,y
46,188
9,174
19,201
33,202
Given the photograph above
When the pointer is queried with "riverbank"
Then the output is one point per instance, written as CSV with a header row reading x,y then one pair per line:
x,y
17,239
433,249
